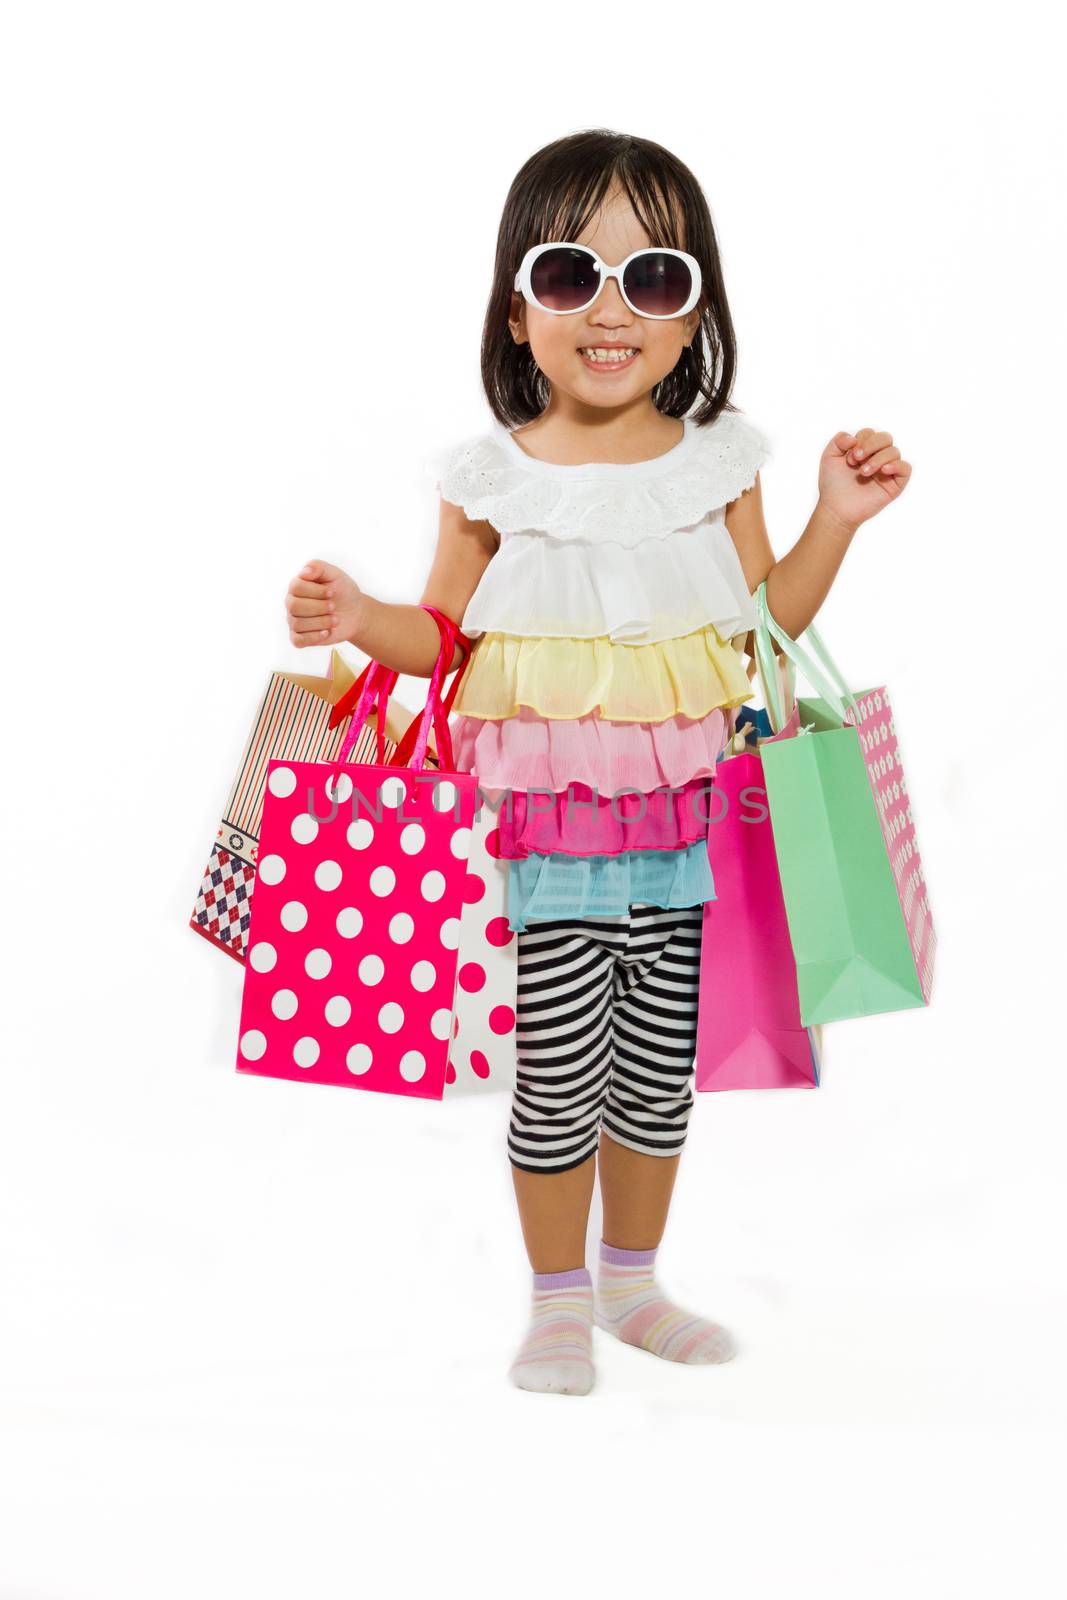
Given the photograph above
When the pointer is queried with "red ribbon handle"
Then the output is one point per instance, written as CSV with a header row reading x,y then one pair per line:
x,y
376,683
412,746
386,683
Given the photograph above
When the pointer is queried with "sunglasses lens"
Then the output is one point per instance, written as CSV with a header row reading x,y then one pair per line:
x,y
565,279
658,284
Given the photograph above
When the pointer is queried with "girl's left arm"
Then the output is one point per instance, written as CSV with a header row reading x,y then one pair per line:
x,y
859,475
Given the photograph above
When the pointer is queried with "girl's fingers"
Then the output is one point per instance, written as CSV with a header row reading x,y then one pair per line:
x,y
867,442
317,625
306,591
870,465
308,608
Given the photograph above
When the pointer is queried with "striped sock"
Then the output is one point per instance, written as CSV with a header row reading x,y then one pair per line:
x,y
630,1304
556,1357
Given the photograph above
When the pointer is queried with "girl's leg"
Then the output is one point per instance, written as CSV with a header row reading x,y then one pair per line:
x,y
645,1123
554,1212
636,1192
563,1031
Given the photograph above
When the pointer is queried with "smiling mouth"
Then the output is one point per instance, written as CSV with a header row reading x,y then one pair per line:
x,y
608,357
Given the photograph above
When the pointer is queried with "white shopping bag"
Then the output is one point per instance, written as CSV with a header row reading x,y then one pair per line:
x,y
482,1056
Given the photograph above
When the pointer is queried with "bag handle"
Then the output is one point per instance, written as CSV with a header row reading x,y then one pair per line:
x,y
451,634
351,696
830,684
376,682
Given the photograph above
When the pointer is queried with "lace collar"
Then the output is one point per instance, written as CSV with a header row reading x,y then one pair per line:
x,y
494,480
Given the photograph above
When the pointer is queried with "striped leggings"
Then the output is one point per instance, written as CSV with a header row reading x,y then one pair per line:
x,y
606,1035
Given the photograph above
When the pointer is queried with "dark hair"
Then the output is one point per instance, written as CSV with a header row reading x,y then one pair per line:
x,y
553,195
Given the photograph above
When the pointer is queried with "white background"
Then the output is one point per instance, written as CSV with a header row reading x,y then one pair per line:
x,y
254,1335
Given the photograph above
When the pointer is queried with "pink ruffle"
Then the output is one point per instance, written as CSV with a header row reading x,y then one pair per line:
x,y
570,823
526,751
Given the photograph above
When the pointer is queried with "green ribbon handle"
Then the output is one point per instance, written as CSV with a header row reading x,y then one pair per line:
x,y
768,671
830,685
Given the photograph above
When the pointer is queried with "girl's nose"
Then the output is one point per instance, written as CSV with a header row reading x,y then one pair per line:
x,y
610,303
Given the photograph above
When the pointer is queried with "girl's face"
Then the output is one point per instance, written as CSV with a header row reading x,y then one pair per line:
x,y
559,344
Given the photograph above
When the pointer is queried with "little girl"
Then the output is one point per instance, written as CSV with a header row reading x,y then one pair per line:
x,y
602,542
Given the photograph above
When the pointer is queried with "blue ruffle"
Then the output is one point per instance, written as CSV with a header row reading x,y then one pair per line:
x,y
544,887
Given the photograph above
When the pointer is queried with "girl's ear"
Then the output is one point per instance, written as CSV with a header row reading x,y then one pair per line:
x,y
692,325
517,318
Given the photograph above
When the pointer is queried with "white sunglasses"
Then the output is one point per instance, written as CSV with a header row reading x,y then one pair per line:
x,y
564,278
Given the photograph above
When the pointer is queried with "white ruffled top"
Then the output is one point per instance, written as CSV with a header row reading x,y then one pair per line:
x,y
635,551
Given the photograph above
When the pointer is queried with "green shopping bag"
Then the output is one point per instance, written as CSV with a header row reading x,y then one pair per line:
x,y
855,899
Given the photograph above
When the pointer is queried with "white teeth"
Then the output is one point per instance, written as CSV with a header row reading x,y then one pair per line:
x,y
609,353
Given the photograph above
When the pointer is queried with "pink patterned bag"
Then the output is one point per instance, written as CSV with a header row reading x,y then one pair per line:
x,y
749,1032
354,933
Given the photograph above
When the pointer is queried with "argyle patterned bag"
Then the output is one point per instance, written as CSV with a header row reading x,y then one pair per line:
x,y
294,723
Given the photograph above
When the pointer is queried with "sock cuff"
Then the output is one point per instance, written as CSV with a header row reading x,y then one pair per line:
x,y
577,1277
616,1256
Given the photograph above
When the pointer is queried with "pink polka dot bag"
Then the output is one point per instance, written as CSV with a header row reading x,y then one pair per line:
x,y
353,944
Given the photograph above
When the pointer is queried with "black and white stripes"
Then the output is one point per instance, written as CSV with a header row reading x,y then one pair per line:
x,y
606,1034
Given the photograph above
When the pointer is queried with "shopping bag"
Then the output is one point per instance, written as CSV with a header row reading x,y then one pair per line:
x,y
483,1008
483,1015
855,898
749,1032
355,925
294,722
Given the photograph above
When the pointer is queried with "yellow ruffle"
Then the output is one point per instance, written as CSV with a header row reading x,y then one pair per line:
x,y
686,676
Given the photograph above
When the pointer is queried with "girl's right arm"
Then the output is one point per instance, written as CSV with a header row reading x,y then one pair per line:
x,y
326,606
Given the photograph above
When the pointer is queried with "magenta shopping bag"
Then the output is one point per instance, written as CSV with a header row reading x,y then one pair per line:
x,y
354,933
749,1032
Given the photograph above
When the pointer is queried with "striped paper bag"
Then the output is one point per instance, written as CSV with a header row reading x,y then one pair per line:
x,y
292,724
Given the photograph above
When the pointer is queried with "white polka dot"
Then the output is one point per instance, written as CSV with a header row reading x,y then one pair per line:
x,y
349,922
440,1023
412,838
340,790
412,1065
253,1044
271,869
371,969
360,833
338,1010
294,916
391,1017
327,875
304,828
392,793
359,1058
433,885
423,976
262,956
282,782
450,933
317,963
306,1051
401,927
283,1004
444,795
460,843
382,881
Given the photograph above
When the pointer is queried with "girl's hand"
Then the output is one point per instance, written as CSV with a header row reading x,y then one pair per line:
x,y
859,474
324,605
